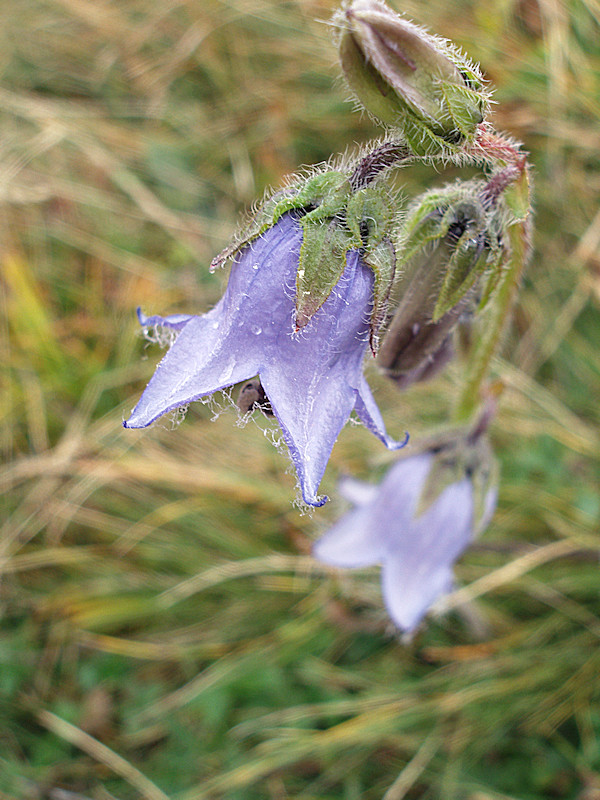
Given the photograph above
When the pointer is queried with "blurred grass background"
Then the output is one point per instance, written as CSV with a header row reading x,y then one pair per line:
x,y
164,632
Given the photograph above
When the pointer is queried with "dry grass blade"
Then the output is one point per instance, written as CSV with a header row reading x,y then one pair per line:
x,y
412,771
102,754
510,572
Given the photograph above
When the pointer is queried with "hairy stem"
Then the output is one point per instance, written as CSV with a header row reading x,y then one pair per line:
x,y
485,349
386,155
494,148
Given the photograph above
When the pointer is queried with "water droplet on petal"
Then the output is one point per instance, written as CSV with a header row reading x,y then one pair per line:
x,y
256,330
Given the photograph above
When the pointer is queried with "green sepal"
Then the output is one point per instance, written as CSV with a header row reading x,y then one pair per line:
x,y
456,459
447,468
495,271
327,191
423,221
369,217
517,197
325,242
422,141
365,226
466,108
484,477
467,255
381,258
321,265
467,262
427,223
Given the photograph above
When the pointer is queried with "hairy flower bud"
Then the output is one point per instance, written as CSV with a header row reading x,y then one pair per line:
x,y
450,241
409,79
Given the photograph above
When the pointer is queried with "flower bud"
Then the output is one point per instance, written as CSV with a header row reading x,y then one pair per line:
x,y
429,367
409,79
450,241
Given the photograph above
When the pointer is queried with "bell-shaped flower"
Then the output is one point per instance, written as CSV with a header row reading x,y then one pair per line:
x,y
312,377
416,524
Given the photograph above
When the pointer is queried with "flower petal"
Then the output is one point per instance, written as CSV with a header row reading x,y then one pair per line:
x,y
309,428
310,378
408,595
227,344
370,416
351,542
399,493
197,364
418,565
357,492
175,321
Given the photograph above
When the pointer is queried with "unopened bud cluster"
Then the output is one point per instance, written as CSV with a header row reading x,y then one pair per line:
x,y
452,250
410,80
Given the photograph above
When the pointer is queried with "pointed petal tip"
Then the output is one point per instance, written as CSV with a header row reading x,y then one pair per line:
x,y
393,444
408,603
316,501
407,618
136,420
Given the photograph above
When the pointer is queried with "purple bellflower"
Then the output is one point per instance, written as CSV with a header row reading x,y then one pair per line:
x,y
416,547
312,377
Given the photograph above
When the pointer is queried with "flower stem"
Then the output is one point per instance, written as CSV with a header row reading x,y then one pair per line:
x,y
485,349
487,146
493,148
386,155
